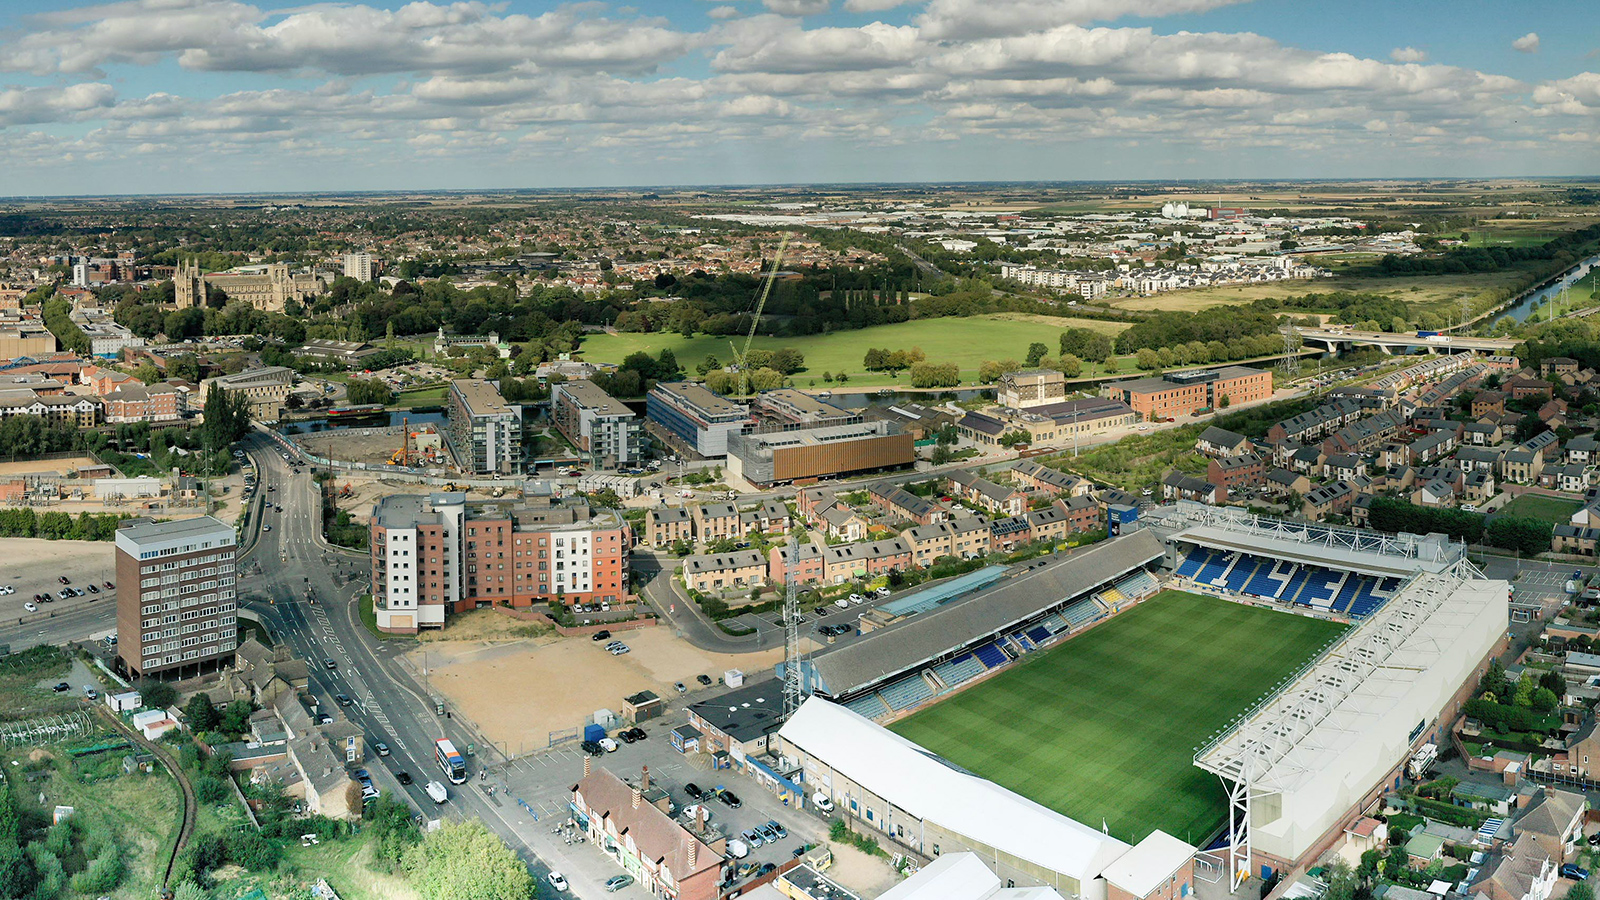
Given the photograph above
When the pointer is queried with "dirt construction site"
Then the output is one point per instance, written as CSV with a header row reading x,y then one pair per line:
x,y
518,693
377,446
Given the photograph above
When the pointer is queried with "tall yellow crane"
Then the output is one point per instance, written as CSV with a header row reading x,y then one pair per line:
x,y
755,320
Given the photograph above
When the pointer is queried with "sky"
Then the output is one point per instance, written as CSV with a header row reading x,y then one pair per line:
x,y
178,96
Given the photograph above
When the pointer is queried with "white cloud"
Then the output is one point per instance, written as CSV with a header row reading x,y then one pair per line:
x,y
872,6
1528,43
966,19
723,12
791,50
796,7
37,105
1408,55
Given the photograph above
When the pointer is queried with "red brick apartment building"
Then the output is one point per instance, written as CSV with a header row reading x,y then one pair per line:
x,y
1181,393
438,554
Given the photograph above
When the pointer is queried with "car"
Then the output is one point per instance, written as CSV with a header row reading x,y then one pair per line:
x,y
343,699
730,799
90,693
608,745
767,833
627,735
777,829
1574,872
822,802
695,811
324,719
557,882
403,777
110,586
591,747
437,792
31,607
618,882
600,635
857,598
382,748
92,590
266,528
639,734
752,838
682,688
614,645
61,687
619,650
703,679
737,849
328,663
882,592
63,579
694,792
766,867
1594,839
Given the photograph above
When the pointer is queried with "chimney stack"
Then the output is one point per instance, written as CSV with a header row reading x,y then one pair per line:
x,y
694,847
586,759
644,780
636,797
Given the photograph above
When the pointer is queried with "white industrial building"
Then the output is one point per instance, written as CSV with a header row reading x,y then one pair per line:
x,y
1299,766
879,779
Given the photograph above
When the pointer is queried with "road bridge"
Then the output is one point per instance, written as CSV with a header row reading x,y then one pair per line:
x,y
1338,340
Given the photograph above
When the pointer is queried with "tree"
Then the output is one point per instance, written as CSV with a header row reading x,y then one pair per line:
x,y
1036,353
236,718
210,790
464,859
158,694
1494,681
1341,881
189,891
362,391
1580,891
709,364
202,715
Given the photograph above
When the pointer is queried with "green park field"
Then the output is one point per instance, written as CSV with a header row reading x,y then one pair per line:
x,y
967,342
1104,727
1555,510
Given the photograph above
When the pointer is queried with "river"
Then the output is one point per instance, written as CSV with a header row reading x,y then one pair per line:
x,y
1521,309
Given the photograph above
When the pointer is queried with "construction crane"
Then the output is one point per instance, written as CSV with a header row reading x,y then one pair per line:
x,y
755,320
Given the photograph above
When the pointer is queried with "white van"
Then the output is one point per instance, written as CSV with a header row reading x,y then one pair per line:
x,y
822,802
437,792
737,849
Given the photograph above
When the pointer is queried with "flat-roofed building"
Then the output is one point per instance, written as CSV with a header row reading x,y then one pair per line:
x,y
349,354
1031,387
484,432
176,606
798,454
265,389
799,408
1182,393
696,416
598,425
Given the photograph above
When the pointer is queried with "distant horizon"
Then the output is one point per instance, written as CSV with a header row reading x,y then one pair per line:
x,y
1175,182
104,98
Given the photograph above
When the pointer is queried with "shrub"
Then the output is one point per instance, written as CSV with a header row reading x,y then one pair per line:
x,y
210,790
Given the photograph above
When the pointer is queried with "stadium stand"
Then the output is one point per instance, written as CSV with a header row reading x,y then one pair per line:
x,y
1296,582
990,655
1191,564
1347,592
1262,584
1319,588
907,692
1214,566
1244,567
1110,597
1138,585
955,671
869,705
1081,612
1056,623
1021,640
1038,634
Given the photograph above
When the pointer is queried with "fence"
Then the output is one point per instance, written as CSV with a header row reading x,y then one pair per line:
x,y
565,736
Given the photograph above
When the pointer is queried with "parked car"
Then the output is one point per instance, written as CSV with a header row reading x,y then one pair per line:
x,y
1574,872
737,849
90,692
31,607
110,586
857,598
61,687
92,589
693,811
777,829
764,868
600,635
617,883
882,592
608,745
730,798
682,688
592,748
694,792
403,777
63,579
703,679
627,735
753,838
767,834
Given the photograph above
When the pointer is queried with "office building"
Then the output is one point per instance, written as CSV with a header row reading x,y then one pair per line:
x,y
1183,393
485,431
697,417
601,427
791,407
438,554
1031,387
175,596
800,454
265,389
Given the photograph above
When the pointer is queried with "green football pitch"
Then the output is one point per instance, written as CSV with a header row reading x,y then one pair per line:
x,y
1102,728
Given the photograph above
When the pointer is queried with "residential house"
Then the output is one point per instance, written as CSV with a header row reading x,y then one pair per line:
x,y
1178,486
1555,818
1282,483
807,565
1036,477
1482,434
1434,493
1558,365
843,523
1327,500
1081,513
1521,387
1572,479
865,559
963,538
666,525
1432,447
1521,871
715,521
710,572
1344,467
1307,461
1052,523
773,517
665,858
1521,466
1579,539
1582,450
1486,402
1232,474
1477,459
329,790
1219,443
1478,487
900,503
979,491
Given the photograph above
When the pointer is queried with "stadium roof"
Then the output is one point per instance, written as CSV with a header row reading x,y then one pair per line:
x,y
1353,549
1030,590
1339,701
928,787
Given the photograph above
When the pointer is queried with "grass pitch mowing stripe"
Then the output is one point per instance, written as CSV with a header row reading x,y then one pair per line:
x,y
1103,727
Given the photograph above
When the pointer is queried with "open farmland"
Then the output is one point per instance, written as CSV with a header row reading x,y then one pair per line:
x,y
1104,726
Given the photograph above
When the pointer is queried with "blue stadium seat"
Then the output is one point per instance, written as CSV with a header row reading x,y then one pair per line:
x,y
1367,601
1261,584
1389,585
1240,574
1021,640
1214,567
1347,593
869,705
990,655
1296,582
1191,564
1320,587
1038,634
954,671
907,692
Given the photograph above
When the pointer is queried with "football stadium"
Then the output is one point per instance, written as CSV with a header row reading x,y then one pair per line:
x,y
1238,685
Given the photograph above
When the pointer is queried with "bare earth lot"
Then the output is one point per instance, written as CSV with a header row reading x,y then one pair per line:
x,y
31,566
518,693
